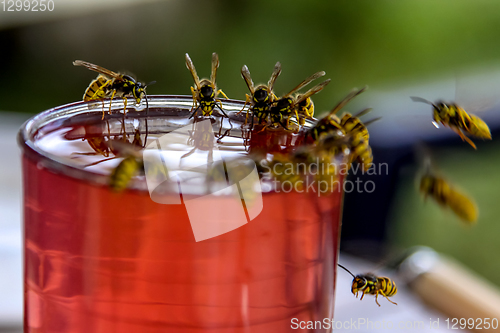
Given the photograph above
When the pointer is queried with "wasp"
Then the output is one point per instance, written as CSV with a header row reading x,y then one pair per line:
x,y
205,91
354,144
446,194
456,118
202,138
111,84
350,127
119,146
286,106
131,164
331,121
262,96
373,285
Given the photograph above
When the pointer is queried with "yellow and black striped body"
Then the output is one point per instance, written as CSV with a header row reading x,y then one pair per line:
x,y
123,86
360,147
448,196
349,127
361,152
202,136
123,173
98,89
261,103
373,285
305,110
325,126
282,110
206,97
353,124
460,121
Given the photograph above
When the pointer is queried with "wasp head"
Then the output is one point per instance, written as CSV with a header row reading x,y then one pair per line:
x,y
207,90
358,284
139,92
260,95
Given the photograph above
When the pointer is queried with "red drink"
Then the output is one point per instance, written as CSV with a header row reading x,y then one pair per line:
x,y
100,261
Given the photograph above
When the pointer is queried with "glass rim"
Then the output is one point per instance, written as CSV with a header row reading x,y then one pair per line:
x,y
29,128
57,115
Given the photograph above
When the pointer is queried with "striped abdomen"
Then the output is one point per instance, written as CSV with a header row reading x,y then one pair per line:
x,y
386,286
353,124
97,89
123,173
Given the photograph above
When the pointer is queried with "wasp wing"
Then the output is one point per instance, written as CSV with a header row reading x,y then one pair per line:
x,y
98,69
274,76
347,99
190,66
306,82
248,80
421,100
215,65
314,90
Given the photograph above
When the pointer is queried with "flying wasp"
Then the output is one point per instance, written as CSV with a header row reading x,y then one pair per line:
x,y
446,194
262,96
111,84
456,118
331,121
373,285
284,107
205,91
349,126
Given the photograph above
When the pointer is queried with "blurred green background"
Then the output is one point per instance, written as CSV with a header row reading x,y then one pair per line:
x,y
385,44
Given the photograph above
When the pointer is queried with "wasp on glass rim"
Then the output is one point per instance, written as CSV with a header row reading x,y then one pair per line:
x,y
109,84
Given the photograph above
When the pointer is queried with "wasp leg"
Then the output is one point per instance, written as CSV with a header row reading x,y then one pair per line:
x,y
462,116
247,101
86,154
285,126
227,132
465,138
104,160
298,118
362,295
388,298
193,92
125,101
376,298
189,153
103,112
111,101
251,126
193,113
221,92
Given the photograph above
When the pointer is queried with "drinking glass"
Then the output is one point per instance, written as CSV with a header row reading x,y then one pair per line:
x,y
97,260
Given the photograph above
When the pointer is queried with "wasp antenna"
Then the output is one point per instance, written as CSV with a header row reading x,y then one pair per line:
x,y
371,121
348,271
150,83
362,112
421,100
